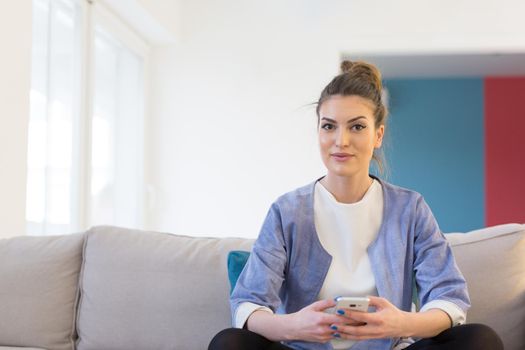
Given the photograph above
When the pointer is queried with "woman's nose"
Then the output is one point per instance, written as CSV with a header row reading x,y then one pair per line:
x,y
342,138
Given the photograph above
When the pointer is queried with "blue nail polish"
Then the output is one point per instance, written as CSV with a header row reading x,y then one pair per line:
x,y
337,335
341,312
334,328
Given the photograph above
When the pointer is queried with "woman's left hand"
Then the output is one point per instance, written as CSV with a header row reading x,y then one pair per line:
x,y
387,322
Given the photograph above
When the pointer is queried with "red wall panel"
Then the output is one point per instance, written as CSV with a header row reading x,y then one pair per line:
x,y
504,150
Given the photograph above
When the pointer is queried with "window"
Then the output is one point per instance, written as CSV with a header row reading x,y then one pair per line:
x,y
85,152
116,142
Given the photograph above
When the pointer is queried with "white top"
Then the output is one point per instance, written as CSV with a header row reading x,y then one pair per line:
x,y
345,231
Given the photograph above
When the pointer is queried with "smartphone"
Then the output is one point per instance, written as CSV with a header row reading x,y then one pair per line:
x,y
352,303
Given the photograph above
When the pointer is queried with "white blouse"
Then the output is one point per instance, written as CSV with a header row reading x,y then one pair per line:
x,y
345,231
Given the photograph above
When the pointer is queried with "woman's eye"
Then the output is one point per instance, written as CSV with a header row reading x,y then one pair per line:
x,y
327,126
358,127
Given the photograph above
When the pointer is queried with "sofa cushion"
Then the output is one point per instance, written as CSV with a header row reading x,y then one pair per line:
x,y
236,261
38,290
493,262
148,290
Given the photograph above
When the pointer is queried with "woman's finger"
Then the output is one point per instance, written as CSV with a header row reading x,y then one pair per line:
x,y
360,332
363,317
322,305
378,302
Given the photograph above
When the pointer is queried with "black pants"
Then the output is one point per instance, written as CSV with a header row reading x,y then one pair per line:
x,y
465,337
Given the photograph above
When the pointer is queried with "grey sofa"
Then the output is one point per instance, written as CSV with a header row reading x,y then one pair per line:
x,y
116,288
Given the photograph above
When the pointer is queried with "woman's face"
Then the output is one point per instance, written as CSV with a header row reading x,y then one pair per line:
x,y
347,135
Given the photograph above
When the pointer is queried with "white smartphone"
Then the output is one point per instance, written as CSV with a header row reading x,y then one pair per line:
x,y
352,303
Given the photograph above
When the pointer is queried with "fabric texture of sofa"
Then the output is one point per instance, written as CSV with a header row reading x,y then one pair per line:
x,y
117,288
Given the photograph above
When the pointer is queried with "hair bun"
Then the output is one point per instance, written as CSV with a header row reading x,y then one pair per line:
x,y
346,66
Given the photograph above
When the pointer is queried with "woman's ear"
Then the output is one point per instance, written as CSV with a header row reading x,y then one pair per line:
x,y
380,132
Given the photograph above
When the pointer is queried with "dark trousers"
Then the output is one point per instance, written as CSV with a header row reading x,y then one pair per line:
x,y
465,337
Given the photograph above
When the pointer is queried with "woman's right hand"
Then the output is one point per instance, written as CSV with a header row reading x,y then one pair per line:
x,y
313,324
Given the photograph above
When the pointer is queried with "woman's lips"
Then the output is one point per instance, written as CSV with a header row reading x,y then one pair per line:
x,y
341,157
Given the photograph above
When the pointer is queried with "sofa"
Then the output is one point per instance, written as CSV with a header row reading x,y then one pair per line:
x,y
117,288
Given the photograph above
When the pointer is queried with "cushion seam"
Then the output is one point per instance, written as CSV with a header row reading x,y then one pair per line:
x,y
77,296
80,286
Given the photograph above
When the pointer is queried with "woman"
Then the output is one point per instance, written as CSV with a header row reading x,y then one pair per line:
x,y
351,234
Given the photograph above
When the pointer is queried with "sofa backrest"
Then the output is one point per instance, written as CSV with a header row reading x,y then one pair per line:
x,y
38,291
149,290
493,263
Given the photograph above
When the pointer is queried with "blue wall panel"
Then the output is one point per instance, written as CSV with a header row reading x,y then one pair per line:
x,y
436,146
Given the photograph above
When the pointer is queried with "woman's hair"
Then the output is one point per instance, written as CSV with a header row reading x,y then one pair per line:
x,y
364,80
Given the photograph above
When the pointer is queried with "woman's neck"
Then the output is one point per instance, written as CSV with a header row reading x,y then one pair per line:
x,y
347,189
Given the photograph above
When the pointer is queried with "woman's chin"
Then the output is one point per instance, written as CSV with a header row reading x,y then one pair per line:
x,y
342,172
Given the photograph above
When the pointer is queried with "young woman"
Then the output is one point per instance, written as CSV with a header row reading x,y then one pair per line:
x,y
351,234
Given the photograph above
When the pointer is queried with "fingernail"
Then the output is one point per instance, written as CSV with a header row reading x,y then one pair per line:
x,y
334,327
341,312
337,335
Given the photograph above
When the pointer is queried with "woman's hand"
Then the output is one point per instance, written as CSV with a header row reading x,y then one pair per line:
x,y
313,324
387,322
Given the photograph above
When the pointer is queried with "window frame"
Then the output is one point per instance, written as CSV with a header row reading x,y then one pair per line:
x,y
97,13
93,13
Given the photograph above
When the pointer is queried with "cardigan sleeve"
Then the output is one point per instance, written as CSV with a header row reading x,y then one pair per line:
x,y
437,275
261,280
243,312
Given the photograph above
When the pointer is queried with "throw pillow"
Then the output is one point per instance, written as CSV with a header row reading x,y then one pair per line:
x,y
236,261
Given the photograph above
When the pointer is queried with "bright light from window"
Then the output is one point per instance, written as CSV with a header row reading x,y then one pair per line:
x,y
54,92
67,190
116,182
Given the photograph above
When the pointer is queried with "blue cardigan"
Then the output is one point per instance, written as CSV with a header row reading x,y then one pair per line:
x,y
288,264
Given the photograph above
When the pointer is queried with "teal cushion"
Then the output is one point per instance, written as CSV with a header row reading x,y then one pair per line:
x,y
236,261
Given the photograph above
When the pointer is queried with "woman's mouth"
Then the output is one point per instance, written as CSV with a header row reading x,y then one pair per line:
x,y
341,157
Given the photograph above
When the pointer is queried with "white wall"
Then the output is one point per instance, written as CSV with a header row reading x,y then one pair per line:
x,y
229,128
166,13
156,21
15,36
